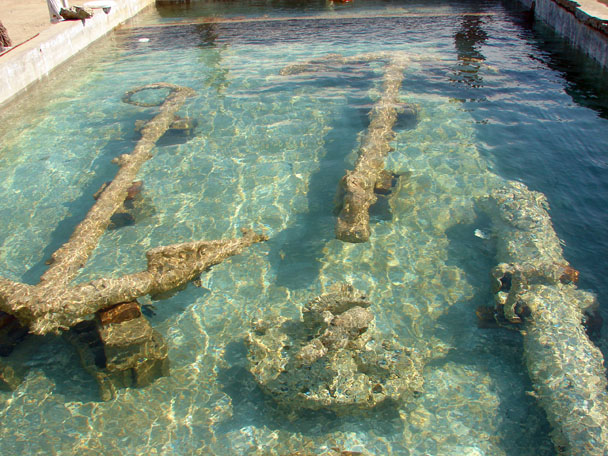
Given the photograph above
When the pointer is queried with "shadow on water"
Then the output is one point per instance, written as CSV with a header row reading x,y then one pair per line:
x,y
104,171
521,426
51,362
300,246
160,308
252,407
472,249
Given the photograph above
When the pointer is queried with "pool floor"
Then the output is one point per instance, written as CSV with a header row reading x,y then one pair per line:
x,y
494,103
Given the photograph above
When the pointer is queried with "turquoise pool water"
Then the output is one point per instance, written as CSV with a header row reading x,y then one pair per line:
x,y
497,98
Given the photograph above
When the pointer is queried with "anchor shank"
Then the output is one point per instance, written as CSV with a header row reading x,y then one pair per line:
x,y
73,255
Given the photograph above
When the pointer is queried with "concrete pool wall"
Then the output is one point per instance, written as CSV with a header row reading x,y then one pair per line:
x,y
32,60
584,23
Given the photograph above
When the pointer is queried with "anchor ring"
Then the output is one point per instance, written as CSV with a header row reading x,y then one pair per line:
x,y
158,85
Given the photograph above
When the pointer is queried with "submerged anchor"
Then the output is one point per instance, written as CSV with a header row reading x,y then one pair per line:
x,y
54,305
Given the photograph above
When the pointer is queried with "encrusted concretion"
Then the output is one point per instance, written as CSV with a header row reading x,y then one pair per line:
x,y
184,124
120,354
53,305
120,349
357,187
334,359
120,312
10,376
356,192
134,351
535,286
71,256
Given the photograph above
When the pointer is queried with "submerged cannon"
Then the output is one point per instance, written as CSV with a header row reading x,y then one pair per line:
x,y
535,289
357,189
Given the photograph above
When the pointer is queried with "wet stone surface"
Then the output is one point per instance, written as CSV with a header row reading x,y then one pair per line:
x,y
333,359
120,349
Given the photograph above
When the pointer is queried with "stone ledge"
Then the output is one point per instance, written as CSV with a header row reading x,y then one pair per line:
x,y
584,23
34,59
586,14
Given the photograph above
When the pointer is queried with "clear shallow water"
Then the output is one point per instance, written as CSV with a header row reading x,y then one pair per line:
x,y
268,151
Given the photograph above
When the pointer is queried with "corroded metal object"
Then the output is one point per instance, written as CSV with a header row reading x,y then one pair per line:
x,y
53,305
334,359
535,288
120,349
71,256
119,313
358,188
184,124
50,309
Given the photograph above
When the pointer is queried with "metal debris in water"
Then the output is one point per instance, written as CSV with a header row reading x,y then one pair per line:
x,y
357,188
334,359
535,289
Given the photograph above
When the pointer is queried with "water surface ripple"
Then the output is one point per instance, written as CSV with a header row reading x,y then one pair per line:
x,y
495,103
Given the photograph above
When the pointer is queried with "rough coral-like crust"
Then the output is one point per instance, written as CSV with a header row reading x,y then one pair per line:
x,y
54,305
334,359
119,348
357,189
535,287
